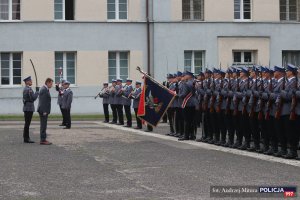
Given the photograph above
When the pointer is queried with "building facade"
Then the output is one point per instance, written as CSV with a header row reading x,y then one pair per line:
x,y
93,41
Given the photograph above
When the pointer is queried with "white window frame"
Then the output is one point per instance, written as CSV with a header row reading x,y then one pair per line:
x,y
64,67
192,12
193,59
242,12
63,11
243,57
117,11
118,67
287,11
11,76
10,11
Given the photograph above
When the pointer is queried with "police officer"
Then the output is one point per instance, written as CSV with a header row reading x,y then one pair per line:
x,y
111,101
179,119
126,92
59,88
189,102
253,92
136,100
104,94
29,96
118,101
289,124
67,104
171,109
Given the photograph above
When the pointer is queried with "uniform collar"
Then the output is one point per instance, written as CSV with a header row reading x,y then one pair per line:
x,y
289,79
280,79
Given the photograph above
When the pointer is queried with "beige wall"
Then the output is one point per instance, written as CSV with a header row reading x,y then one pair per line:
x,y
37,10
92,67
265,10
176,10
134,10
91,10
43,62
136,59
227,44
218,10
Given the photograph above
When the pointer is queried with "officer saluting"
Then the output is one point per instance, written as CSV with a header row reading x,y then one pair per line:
x,y
28,100
66,104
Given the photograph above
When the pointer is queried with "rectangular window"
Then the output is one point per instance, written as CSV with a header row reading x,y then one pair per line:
x,y
11,69
194,61
243,57
289,10
64,9
10,9
117,9
242,9
118,63
292,57
193,10
65,66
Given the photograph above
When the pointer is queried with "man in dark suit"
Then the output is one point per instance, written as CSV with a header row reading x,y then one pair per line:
x,y
44,109
28,100
66,104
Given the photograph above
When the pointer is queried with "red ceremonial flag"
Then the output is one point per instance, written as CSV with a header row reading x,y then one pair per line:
x,y
141,108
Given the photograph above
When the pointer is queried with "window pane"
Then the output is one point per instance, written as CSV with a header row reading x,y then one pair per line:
x,y
186,9
189,68
122,15
4,9
5,80
237,57
124,55
124,72
71,79
58,9
112,71
123,7
5,64
247,57
112,63
4,72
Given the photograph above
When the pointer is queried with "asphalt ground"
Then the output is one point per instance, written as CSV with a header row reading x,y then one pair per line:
x,y
101,161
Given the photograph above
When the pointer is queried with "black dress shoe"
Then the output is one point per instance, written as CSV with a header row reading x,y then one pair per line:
x,y
62,125
120,124
148,131
183,138
105,121
128,126
67,128
28,141
271,151
112,122
291,155
137,128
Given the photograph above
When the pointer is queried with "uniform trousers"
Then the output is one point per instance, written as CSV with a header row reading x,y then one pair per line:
x,y
179,121
128,115
120,113
189,113
67,117
114,112
138,120
170,113
27,117
106,112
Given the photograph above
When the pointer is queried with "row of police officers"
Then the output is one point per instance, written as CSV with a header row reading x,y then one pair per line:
x,y
248,108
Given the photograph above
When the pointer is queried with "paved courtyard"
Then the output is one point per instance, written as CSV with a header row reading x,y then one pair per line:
x,y
98,161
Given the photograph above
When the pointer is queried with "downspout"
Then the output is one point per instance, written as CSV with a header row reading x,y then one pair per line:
x,y
148,37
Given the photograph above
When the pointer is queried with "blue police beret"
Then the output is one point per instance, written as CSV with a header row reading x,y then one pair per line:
x,y
138,83
201,74
119,80
221,71
279,69
105,83
229,71
208,71
128,80
27,79
189,73
179,73
113,81
170,76
215,70
174,75
291,67
67,82
264,69
244,69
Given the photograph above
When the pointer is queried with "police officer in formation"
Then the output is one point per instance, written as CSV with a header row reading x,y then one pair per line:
x,y
104,94
29,96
